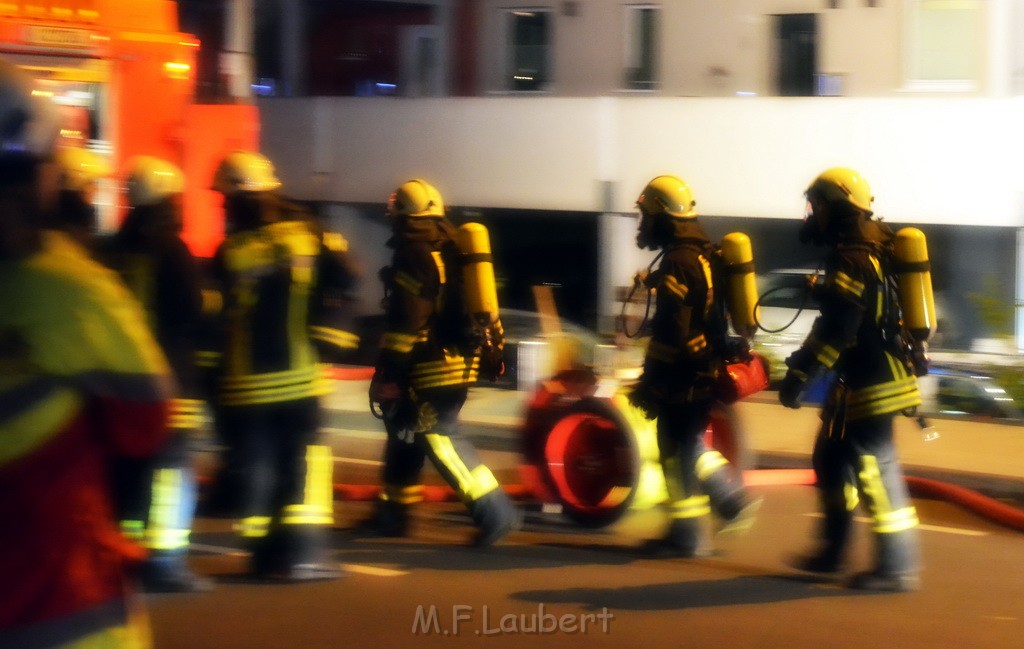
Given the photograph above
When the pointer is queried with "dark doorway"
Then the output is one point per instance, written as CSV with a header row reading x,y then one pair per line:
x,y
797,39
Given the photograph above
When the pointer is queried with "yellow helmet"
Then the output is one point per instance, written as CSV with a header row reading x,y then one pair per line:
x,y
80,168
29,122
842,185
151,180
416,198
245,171
669,195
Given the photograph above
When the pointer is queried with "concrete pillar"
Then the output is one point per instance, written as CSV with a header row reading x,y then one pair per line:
x,y
293,48
236,65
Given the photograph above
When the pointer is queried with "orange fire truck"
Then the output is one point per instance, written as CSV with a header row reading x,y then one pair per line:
x,y
124,78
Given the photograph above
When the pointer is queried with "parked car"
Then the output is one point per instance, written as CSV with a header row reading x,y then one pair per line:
x,y
785,314
953,391
944,391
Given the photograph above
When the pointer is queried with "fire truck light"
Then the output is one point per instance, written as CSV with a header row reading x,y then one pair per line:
x,y
177,70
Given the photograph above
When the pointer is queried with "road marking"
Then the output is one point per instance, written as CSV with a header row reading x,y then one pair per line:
x,y
218,549
349,567
353,460
371,570
929,528
352,432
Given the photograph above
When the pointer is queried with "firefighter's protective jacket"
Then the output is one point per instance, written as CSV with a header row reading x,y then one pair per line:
x,y
688,329
854,334
162,274
283,285
81,380
425,344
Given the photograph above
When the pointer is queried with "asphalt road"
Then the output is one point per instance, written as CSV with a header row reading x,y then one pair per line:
x,y
556,585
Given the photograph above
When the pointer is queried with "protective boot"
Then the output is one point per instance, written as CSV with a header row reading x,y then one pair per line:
x,y
897,566
294,553
682,541
495,516
169,573
389,519
829,557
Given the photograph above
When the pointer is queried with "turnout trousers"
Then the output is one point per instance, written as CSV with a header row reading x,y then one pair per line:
x,y
281,480
433,432
856,461
700,481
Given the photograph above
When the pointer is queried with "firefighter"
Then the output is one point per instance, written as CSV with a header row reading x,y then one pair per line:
x,y
688,347
81,382
428,361
157,497
80,173
283,283
856,336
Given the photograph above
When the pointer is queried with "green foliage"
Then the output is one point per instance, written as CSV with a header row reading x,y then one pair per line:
x,y
994,310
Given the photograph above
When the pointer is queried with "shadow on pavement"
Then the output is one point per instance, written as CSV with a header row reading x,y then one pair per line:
x,y
738,591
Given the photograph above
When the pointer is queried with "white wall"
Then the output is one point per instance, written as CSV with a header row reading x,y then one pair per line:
x,y
927,160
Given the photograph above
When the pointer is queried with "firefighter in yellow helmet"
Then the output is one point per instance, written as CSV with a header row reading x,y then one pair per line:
x,y
427,363
81,382
157,496
283,283
857,336
688,346
80,173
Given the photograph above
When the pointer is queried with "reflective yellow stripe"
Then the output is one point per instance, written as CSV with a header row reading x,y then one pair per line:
x,y
697,343
471,485
692,507
270,379
300,350
448,372
134,530
708,463
849,285
407,282
253,527
317,506
484,482
851,495
166,539
335,242
891,396
897,521
402,495
826,354
336,337
164,505
887,520
439,262
674,287
27,430
316,388
709,278
186,414
400,343
207,359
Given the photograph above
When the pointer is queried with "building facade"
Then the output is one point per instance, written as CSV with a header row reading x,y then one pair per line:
x,y
563,110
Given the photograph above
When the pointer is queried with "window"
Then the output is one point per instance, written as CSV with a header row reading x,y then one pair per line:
x,y
529,40
642,33
946,40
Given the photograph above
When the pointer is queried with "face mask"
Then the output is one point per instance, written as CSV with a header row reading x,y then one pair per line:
x,y
813,229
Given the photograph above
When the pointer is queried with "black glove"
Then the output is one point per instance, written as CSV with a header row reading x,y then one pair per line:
x,y
789,390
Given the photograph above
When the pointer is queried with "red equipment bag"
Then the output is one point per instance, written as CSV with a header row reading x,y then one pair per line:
x,y
742,379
